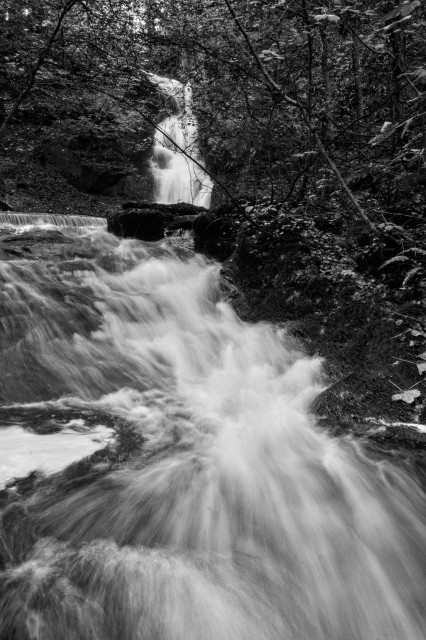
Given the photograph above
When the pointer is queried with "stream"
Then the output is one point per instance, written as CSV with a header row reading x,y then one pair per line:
x,y
238,517
242,520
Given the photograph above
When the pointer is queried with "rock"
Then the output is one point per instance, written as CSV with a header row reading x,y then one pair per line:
x,y
179,209
213,230
71,266
147,224
214,235
146,220
183,222
110,165
39,236
101,179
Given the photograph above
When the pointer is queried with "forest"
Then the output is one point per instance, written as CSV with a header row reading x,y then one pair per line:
x,y
212,319
298,101
312,121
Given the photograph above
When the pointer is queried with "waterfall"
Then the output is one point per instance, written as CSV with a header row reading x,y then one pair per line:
x,y
17,219
178,177
240,518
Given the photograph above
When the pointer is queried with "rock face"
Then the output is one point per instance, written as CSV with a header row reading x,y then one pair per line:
x,y
104,167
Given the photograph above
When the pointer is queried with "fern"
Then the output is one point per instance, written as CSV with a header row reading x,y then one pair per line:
x,y
410,275
398,258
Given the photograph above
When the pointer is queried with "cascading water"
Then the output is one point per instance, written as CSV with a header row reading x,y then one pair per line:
x,y
18,220
243,520
179,177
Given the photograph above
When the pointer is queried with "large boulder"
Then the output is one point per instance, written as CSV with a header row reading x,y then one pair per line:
x,y
146,224
177,216
214,232
147,220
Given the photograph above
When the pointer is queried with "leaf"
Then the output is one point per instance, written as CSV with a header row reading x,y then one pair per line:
x,y
403,10
415,250
421,366
407,396
268,54
422,355
398,258
387,130
410,274
331,17
387,125
409,7
419,73
406,125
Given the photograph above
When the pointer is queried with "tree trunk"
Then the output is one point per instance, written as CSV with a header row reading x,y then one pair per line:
x,y
397,64
357,71
325,67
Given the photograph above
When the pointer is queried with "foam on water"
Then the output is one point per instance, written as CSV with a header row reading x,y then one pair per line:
x,y
23,452
245,520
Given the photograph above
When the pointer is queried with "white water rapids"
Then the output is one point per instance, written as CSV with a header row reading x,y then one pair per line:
x,y
244,520
177,165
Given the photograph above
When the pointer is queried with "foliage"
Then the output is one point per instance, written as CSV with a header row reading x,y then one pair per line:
x,y
355,69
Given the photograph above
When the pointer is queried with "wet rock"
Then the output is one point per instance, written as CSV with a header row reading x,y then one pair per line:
x,y
147,224
71,266
179,209
147,220
38,236
34,245
214,235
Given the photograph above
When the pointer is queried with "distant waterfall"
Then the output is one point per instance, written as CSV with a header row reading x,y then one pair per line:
x,y
179,178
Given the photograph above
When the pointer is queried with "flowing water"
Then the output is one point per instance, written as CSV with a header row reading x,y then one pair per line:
x,y
243,520
177,165
17,221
